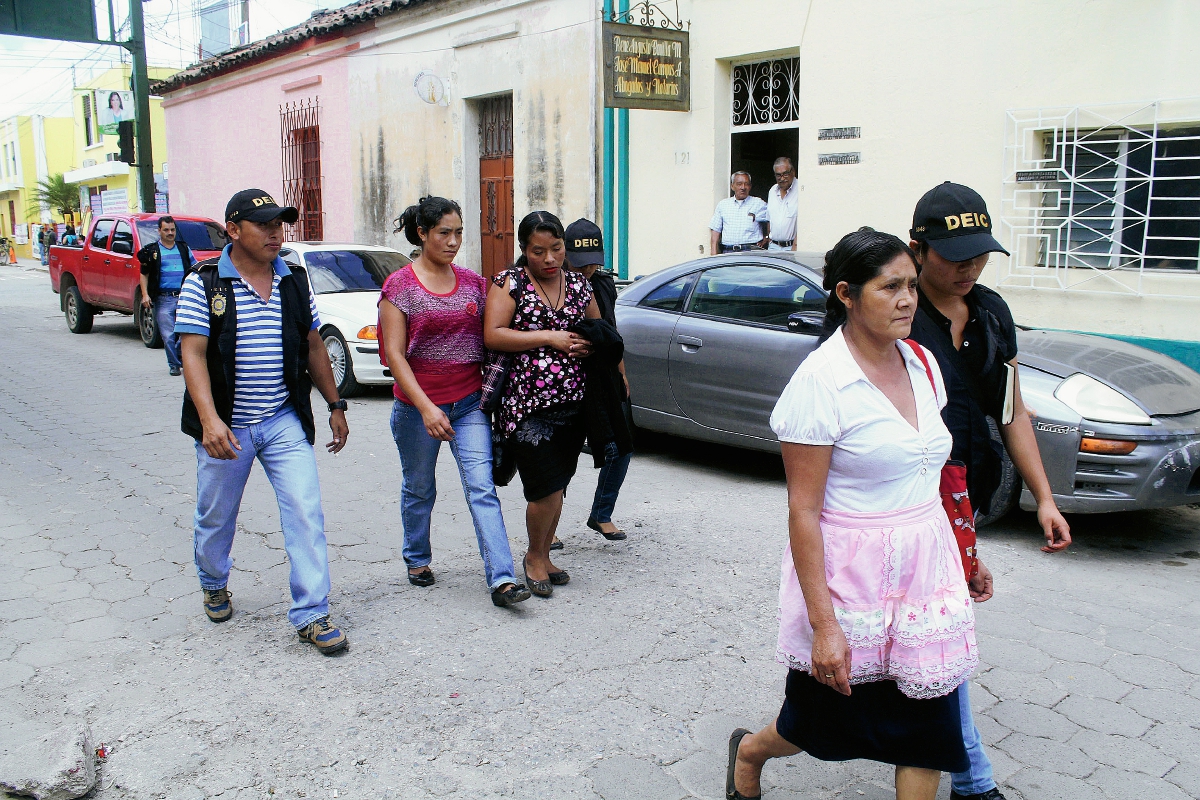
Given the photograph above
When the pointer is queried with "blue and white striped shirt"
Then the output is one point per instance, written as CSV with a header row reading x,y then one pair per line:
x,y
258,390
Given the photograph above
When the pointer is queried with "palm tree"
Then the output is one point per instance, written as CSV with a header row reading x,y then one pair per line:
x,y
57,194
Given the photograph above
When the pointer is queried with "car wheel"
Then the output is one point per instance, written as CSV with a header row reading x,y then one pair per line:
x,y
147,324
79,314
342,363
1006,496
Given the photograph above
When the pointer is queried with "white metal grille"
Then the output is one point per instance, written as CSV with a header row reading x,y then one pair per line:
x,y
766,92
1104,199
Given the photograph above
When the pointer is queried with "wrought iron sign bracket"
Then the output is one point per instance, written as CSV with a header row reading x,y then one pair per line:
x,y
649,15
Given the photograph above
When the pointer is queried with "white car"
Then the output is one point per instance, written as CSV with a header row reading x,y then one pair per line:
x,y
345,281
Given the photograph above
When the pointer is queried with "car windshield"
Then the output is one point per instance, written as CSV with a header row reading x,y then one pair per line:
x,y
351,270
196,235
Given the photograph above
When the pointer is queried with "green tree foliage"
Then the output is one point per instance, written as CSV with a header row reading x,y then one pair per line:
x,y
56,193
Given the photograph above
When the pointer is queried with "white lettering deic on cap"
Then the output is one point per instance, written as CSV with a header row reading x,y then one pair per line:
x,y
586,243
967,219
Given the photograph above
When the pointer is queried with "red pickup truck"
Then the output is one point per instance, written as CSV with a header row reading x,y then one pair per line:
x,y
103,274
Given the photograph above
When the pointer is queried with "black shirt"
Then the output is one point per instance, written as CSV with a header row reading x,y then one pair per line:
x,y
605,290
975,381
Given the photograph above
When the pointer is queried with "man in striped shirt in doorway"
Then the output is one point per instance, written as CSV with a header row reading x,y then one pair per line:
x,y
251,353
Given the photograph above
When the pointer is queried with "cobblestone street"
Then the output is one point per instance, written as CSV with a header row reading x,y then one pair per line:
x,y
624,685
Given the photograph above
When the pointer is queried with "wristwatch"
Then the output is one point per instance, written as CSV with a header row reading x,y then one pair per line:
x,y
339,405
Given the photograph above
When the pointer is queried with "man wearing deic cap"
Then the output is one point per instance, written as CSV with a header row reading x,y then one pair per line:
x,y
251,353
970,330
585,253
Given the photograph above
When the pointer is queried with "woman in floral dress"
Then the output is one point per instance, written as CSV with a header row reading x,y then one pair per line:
x,y
530,310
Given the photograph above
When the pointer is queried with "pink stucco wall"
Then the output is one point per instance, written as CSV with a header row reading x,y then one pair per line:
x,y
223,135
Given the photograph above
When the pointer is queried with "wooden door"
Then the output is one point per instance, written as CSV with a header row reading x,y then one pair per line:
x,y
496,230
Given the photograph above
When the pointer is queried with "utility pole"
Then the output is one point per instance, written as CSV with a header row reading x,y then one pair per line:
x,y
141,98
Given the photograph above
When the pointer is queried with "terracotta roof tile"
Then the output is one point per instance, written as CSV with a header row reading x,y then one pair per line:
x,y
322,23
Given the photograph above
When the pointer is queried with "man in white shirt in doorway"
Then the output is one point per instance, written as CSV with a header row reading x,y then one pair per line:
x,y
781,205
737,223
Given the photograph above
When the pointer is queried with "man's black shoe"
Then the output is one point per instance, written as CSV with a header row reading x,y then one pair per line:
x,y
990,794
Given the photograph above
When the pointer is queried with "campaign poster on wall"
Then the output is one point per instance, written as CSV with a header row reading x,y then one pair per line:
x,y
113,108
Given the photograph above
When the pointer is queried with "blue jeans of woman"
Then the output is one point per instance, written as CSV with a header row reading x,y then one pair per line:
x,y
608,485
472,450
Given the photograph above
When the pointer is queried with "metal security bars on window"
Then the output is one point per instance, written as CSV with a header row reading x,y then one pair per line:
x,y
766,92
300,141
1104,199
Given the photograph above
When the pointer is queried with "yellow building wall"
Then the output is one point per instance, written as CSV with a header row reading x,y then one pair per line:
x,y
117,79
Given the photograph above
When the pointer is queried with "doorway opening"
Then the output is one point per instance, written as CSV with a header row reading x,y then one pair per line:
x,y
496,227
756,151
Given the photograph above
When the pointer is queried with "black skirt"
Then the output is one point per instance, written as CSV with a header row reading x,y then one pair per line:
x,y
876,722
546,447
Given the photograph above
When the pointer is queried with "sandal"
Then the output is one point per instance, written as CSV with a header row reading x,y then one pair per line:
x,y
559,578
540,588
731,792
556,544
422,578
615,536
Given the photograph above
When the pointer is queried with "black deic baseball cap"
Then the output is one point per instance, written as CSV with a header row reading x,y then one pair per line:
x,y
954,221
256,205
585,244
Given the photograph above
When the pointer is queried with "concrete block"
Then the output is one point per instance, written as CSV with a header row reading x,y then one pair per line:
x,y
1119,784
1164,705
1104,716
58,766
1123,752
1033,720
1064,758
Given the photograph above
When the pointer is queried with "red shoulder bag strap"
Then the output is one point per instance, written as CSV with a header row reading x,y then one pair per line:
x,y
920,352
954,492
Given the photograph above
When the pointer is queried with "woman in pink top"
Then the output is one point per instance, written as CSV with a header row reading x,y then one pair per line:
x,y
431,333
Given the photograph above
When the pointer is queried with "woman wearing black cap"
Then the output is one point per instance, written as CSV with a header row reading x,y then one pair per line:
x,y
530,311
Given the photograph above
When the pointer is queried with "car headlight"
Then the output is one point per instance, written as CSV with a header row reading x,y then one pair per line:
x,y
1093,400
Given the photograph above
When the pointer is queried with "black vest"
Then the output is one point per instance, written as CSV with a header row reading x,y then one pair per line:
x,y
222,346
150,257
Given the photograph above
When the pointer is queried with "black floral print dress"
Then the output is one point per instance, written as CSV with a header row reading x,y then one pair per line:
x,y
538,422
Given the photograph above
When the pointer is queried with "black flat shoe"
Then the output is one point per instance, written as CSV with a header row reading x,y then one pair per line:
x,y
422,578
559,578
540,588
615,536
514,594
556,544
731,792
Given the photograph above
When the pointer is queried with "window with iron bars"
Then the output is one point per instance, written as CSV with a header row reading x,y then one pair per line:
x,y
766,92
300,141
1126,197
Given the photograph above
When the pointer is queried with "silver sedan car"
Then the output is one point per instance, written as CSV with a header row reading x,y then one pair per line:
x,y
710,345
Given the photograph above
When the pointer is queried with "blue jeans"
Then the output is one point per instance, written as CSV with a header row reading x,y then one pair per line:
x,y
279,443
608,485
164,317
472,450
978,777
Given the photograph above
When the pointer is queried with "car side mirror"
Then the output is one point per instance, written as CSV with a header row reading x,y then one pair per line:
x,y
125,248
811,323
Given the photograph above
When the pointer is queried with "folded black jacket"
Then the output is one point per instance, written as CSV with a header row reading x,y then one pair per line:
x,y
604,391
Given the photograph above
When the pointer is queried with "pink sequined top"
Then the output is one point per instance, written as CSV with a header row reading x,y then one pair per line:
x,y
445,333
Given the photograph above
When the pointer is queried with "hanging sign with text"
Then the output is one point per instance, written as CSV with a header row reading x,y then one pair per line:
x,y
646,68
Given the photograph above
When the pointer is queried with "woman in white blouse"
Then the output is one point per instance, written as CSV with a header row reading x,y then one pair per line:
x,y
876,625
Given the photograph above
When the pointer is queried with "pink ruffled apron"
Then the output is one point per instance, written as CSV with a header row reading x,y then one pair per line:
x,y
899,594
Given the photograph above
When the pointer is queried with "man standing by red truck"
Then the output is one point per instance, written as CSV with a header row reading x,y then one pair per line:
x,y
164,265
